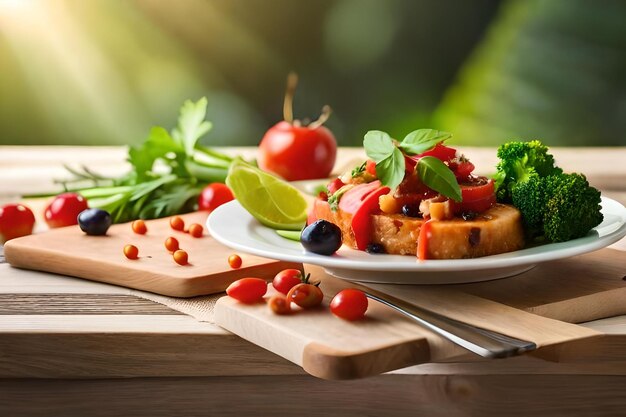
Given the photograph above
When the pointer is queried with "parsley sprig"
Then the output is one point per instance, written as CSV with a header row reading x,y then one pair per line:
x,y
390,165
169,170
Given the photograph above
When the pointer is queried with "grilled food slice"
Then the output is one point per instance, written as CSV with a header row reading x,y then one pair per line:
x,y
494,231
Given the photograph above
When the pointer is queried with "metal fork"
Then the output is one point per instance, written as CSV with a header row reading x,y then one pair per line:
x,y
483,342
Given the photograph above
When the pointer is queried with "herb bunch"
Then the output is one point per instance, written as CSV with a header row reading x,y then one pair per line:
x,y
169,170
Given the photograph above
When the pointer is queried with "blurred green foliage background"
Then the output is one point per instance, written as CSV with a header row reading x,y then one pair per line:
x,y
105,71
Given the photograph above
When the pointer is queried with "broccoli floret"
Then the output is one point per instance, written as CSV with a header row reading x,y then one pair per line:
x,y
572,208
530,198
558,207
519,161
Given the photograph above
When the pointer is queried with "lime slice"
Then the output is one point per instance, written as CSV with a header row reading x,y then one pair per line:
x,y
270,200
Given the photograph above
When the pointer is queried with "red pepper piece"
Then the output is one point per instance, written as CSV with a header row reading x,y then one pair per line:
x,y
361,224
334,185
353,198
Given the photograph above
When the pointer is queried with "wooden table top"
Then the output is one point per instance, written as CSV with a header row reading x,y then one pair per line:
x,y
115,334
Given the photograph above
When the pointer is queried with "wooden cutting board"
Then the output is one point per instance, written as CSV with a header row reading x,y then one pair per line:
x,y
539,306
69,251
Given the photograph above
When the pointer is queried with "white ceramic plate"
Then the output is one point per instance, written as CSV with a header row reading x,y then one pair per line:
x,y
233,226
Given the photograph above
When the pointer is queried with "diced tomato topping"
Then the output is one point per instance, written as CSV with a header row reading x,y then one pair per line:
x,y
463,169
353,198
443,152
334,185
370,167
361,223
422,240
477,198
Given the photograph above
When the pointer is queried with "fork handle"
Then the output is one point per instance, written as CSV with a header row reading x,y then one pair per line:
x,y
483,342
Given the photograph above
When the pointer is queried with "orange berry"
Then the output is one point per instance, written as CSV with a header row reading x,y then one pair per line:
x,y
279,304
235,261
171,244
196,230
181,257
177,223
131,251
139,227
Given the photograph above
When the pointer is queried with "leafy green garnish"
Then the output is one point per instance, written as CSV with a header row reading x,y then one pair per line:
x,y
437,176
422,140
390,164
356,171
147,192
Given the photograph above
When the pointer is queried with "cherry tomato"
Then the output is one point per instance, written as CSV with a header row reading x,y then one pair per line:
x,y
213,196
64,210
181,257
464,169
305,295
131,251
247,290
349,304
171,244
196,230
278,304
298,152
139,227
16,220
177,223
235,261
287,279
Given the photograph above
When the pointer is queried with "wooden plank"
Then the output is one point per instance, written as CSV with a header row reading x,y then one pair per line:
x,y
100,258
388,395
29,304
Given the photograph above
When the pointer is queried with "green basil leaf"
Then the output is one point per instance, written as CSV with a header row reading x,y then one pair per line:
x,y
437,176
378,145
390,170
422,140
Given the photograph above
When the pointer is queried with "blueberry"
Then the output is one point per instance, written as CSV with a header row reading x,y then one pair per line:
x,y
375,248
94,222
411,210
321,237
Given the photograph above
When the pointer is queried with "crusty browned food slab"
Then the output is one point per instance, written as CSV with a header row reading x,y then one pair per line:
x,y
497,230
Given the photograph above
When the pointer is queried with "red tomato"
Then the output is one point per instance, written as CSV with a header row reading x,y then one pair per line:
x,y
305,295
279,304
349,304
235,261
298,152
441,151
213,196
247,290
478,198
16,220
464,169
287,279
64,210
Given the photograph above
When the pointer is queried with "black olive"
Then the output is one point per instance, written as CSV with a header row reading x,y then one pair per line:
x,y
469,215
321,237
411,210
375,248
94,222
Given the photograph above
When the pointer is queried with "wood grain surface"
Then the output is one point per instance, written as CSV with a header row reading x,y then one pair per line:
x,y
69,251
169,364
